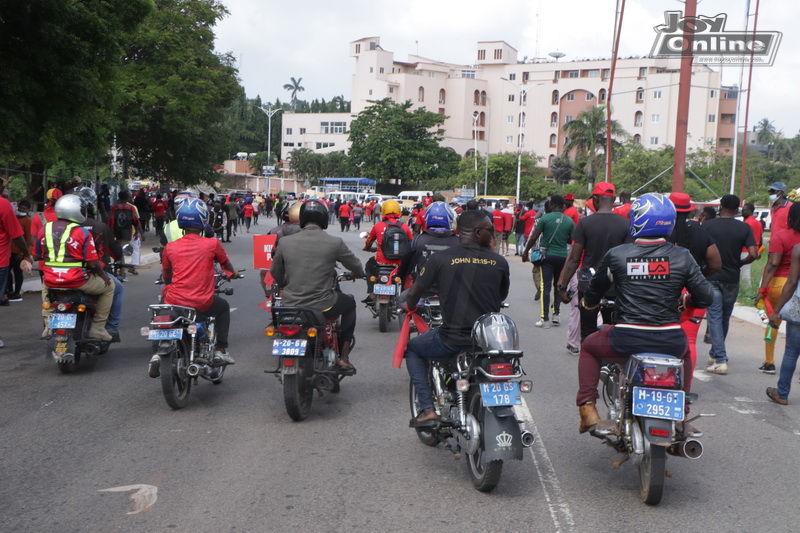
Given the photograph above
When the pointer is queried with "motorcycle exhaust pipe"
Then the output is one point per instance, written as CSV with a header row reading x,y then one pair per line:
x,y
195,370
323,382
90,350
690,449
527,438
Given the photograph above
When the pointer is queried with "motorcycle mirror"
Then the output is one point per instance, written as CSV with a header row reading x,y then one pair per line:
x,y
363,234
127,249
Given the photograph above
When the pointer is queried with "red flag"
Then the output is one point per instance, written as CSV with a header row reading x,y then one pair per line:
x,y
402,340
264,306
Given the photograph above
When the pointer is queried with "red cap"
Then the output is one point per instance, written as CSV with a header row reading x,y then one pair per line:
x,y
570,196
683,202
604,189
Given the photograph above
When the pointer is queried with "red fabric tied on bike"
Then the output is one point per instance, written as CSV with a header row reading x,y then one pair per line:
x,y
402,341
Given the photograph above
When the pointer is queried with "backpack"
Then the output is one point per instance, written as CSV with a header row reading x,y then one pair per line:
x,y
123,219
395,243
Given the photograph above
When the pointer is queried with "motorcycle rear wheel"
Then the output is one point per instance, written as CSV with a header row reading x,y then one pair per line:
x,y
175,381
297,395
383,318
69,368
425,435
485,475
652,470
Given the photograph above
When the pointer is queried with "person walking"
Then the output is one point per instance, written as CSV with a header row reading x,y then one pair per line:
x,y
16,277
758,233
780,395
11,231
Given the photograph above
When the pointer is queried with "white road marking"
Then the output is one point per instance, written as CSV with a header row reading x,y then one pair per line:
x,y
797,432
743,410
743,399
234,309
556,502
143,499
702,375
49,403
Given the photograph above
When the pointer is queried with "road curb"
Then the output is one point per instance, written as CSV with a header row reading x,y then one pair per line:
x,y
34,284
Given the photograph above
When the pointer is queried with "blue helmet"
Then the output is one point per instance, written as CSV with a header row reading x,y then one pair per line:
x,y
192,213
439,215
652,215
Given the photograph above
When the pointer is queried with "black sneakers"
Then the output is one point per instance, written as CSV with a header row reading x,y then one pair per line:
x,y
767,368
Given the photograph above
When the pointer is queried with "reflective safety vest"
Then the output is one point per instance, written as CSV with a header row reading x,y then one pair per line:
x,y
173,232
58,260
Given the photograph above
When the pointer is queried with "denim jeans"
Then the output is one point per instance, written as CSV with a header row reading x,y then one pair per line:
x,y
427,347
115,314
719,317
789,363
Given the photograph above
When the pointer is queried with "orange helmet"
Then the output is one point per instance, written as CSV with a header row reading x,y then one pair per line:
x,y
390,207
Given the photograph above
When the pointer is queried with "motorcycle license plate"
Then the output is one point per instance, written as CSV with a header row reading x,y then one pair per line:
x,y
384,290
658,403
62,321
502,393
164,334
289,347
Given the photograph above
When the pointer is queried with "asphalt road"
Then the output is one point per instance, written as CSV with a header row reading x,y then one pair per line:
x,y
232,460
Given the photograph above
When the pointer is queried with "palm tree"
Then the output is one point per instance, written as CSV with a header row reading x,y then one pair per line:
x,y
587,134
765,131
295,87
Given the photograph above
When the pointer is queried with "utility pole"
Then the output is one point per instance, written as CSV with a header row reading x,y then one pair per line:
x,y
684,89
269,112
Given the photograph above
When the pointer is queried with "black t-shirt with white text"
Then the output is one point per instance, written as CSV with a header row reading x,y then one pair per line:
x,y
472,281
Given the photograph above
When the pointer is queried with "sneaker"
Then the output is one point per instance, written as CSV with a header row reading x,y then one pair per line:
x,y
4,302
222,358
710,361
574,350
15,298
767,368
154,368
556,320
542,323
718,368
114,336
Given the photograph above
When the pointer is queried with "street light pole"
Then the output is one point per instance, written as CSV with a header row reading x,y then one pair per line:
x,y
488,136
475,147
269,112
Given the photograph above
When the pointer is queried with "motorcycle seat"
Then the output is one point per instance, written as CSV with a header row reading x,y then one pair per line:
x,y
298,316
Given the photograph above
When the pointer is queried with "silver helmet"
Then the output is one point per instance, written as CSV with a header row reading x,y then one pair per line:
x,y
70,207
89,198
495,331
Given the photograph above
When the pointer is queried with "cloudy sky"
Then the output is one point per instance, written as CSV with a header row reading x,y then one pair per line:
x,y
309,39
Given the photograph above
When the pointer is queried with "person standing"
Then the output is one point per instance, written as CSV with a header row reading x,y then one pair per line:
x,y
499,223
730,236
142,203
780,207
780,395
570,210
16,278
555,229
775,275
531,216
758,232
247,212
625,200
11,231
104,202
159,209
358,212
344,216
233,216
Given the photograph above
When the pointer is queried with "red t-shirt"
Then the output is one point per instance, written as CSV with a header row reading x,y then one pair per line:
x,y
248,210
377,235
80,247
623,210
499,222
782,243
427,200
529,218
344,211
9,230
780,216
191,259
572,213
508,221
755,225
159,208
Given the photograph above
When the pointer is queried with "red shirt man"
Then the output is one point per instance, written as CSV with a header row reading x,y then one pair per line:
x,y
10,230
80,249
571,211
377,235
427,200
159,208
529,219
344,210
623,210
248,210
191,259
499,220
758,230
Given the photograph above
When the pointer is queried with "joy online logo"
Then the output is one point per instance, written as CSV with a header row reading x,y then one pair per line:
x,y
710,43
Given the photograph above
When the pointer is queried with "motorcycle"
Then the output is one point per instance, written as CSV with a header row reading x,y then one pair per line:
x,y
430,310
474,395
69,323
386,287
307,346
645,401
186,346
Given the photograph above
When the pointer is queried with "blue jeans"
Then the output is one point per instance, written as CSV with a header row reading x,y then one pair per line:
x,y
115,313
719,317
427,347
3,278
789,363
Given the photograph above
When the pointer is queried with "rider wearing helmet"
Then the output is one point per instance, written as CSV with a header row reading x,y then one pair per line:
x,y
71,261
304,267
390,215
124,221
290,227
188,271
649,276
108,248
438,235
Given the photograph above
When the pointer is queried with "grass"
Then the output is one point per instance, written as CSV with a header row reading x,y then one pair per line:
x,y
747,294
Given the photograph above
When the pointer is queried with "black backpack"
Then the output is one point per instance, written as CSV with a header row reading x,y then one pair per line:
x,y
395,243
123,219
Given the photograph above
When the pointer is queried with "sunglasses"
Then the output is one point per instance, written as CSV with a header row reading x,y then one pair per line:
x,y
489,229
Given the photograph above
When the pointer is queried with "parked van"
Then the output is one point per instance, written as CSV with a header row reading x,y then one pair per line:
x,y
409,198
491,200
347,196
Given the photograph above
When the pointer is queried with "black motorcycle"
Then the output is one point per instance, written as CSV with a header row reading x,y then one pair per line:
x,y
474,395
69,323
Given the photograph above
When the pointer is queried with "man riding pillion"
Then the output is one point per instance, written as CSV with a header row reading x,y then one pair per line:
x,y
71,261
649,275
390,214
304,267
187,266
438,236
472,281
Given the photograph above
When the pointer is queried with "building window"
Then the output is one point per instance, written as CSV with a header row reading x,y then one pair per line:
x,y
643,72
482,119
476,97
302,131
512,77
553,119
325,145
637,139
712,118
510,97
380,71
656,94
573,74
442,96
481,55
421,94
594,73
553,139
637,119
371,70
558,75
525,98
602,95
605,74
567,119
509,139
639,95
441,111
589,97
391,90
522,119
654,140
288,144
526,76
370,92
725,142
655,119
483,97
288,131
431,74
510,119
731,95
332,127
727,118
358,48
521,139
713,93
468,74
481,135
570,97
555,97
498,53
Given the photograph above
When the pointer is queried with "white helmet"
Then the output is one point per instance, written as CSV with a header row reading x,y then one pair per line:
x,y
70,207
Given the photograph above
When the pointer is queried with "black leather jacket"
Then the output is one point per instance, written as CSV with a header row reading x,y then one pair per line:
x,y
649,278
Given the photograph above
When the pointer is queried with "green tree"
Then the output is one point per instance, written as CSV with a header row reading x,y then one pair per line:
x,y
587,135
176,90
389,142
561,170
294,87
59,61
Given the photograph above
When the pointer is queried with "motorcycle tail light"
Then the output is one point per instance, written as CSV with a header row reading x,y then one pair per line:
x,y
62,307
269,331
462,385
659,432
525,386
312,332
161,321
145,332
61,332
288,362
501,369
81,308
655,376
289,331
